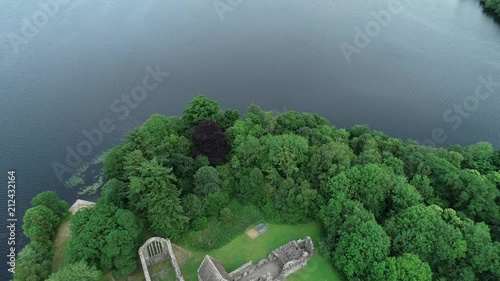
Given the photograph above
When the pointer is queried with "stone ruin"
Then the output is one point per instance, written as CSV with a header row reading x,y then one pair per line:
x,y
80,205
158,249
281,263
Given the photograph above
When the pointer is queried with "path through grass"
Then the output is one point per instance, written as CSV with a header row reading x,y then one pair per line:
x,y
60,243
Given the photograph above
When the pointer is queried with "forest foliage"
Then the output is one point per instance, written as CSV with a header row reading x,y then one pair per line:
x,y
493,5
391,210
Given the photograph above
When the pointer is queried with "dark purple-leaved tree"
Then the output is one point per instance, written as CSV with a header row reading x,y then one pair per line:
x,y
209,140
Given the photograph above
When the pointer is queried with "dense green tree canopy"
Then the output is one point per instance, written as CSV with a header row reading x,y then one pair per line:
x,y
116,192
78,271
106,237
50,200
200,108
206,180
421,230
402,268
40,223
154,196
391,210
359,251
34,262
493,5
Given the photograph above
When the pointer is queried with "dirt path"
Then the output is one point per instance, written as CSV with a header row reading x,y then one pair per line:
x,y
62,236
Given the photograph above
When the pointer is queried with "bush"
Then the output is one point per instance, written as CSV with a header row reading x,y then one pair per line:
x,y
34,262
40,223
226,215
216,234
50,200
199,223
79,271
214,202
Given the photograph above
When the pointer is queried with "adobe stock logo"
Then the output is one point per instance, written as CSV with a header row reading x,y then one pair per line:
x,y
463,110
122,108
33,24
223,6
372,29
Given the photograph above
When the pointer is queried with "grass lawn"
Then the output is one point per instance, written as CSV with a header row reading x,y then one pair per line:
x,y
232,255
242,249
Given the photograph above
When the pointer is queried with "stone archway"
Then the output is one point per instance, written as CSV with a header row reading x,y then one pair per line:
x,y
158,249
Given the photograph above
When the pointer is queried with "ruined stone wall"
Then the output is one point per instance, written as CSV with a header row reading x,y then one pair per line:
x,y
266,277
175,265
295,265
158,249
242,271
291,266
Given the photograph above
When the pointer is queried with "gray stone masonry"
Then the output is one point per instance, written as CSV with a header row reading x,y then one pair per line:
x,y
157,249
280,263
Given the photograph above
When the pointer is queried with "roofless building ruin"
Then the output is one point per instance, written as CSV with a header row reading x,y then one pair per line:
x,y
280,263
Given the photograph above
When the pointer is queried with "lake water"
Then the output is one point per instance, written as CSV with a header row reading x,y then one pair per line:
x,y
426,70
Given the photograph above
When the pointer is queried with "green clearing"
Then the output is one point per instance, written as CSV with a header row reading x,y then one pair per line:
x,y
242,249
234,254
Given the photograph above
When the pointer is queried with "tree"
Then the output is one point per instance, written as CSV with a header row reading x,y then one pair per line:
x,y
358,252
369,184
40,223
495,159
478,157
334,216
210,141
286,153
423,185
477,197
326,161
228,119
78,271
34,262
402,268
295,202
199,109
184,166
206,181
256,123
106,237
226,215
116,192
421,230
215,202
154,196
358,130
250,188
250,153
492,5
402,196
160,136
50,200
289,122
193,206
131,163
482,254
394,163
113,163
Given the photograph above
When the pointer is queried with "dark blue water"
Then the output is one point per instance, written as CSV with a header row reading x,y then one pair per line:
x,y
416,78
